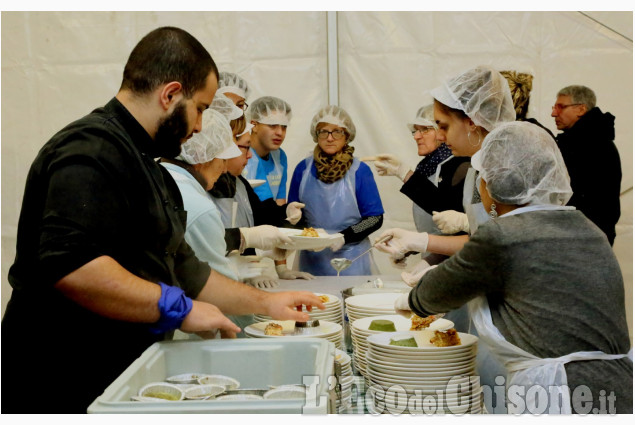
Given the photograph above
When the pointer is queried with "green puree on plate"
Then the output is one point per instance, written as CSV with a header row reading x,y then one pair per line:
x,y
407,342
382,325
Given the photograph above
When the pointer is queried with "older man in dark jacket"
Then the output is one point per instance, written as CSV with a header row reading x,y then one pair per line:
x,y
592,159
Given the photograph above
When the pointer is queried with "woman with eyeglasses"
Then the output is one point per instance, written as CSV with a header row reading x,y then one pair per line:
x,y
340,195
437,182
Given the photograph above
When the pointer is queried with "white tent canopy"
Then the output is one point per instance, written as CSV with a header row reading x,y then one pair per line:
x,y
379,66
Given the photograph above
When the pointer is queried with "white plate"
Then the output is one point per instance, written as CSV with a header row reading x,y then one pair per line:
x,y
420,376
382,340
324,239
464,387
256,182
373,301
325,330
407,367
401,324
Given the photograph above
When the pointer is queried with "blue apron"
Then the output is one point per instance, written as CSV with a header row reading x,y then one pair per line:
x,y
333,207
273,178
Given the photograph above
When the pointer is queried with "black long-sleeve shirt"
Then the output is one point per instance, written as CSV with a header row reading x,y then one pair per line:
x,y
93,190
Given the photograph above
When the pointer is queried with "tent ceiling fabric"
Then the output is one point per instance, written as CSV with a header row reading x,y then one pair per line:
x,y
58,66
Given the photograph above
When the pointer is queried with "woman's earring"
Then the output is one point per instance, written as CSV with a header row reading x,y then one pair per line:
x,y
478,140
492,212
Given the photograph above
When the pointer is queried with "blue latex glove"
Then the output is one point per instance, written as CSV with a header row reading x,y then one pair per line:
x,y
174,305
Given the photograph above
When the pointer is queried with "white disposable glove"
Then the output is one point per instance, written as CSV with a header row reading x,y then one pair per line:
x,y
277,254
263,282
402,241
285,273
246,266
338,242
294,212
402,307
264,237
450,221
414,276
389,165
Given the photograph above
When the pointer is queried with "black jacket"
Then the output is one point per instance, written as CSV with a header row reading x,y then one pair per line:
x,y
594,167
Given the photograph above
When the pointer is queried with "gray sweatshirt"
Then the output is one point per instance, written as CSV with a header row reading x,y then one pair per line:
x,y
554,287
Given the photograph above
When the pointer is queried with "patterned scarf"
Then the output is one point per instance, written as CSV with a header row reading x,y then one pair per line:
x,y
428,165
331,168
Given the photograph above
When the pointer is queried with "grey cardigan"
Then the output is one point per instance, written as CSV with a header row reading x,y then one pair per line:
x,y
554,287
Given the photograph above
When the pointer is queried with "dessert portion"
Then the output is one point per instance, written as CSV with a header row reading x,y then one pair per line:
x,y
405,342
310,231
382,325
446,339
273,329
323,298
419,323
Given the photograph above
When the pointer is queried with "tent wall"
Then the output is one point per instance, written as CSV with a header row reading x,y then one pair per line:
x,y
58,66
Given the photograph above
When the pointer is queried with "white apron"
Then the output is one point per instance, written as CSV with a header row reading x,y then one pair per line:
x,y
525,369
476,214
236,211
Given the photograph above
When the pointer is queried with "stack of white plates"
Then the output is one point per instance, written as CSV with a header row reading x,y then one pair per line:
x,y
332,312
424,379
368,305
360,331
327,330
345,379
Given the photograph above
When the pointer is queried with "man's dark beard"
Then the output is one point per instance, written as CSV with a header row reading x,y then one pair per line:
x,y
171,131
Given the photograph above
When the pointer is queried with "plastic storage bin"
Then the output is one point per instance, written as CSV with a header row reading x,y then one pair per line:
x,y
256,363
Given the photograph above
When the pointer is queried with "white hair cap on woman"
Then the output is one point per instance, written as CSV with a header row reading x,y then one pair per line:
x,y
215,140
248,127
521,164
482,93
228,82
424,117
333,115
270,110
225,106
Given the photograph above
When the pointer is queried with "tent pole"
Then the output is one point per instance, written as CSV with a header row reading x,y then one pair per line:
x,y
331,58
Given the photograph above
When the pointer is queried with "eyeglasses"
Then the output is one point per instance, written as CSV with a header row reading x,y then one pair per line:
x,y
324,134
244,106
422,131
558,107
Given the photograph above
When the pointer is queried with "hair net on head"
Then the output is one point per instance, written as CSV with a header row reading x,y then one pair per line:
x,y
333,115
228,82
521,164
425,117
482,93
225,106
248,127
270,110
215,140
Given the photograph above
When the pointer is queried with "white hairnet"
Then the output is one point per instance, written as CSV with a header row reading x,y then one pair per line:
x,y
333,115
248,127
214,141
228,82
225,106
270,110
424,117
521,164
482,93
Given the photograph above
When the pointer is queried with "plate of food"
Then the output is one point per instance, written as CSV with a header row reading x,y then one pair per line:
x,y
309,238
256,182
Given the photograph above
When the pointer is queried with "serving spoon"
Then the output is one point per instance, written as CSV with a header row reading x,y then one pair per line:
x,y
341,264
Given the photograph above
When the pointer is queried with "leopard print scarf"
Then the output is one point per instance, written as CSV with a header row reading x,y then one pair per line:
x,y
331,168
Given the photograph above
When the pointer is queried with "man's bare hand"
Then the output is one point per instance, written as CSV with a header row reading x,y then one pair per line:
x,y
282,305
207,317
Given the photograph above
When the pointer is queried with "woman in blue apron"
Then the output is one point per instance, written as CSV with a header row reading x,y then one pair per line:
x,y
544,288
340,195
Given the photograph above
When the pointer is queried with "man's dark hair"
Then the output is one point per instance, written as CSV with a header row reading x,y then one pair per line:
x,y
164,55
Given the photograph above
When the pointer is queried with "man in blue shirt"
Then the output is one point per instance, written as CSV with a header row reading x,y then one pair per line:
x,y
270,117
